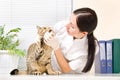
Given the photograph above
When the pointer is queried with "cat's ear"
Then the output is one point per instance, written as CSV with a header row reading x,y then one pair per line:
x,y
38,27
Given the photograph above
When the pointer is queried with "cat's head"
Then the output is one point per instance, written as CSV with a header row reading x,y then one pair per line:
x,y
43,29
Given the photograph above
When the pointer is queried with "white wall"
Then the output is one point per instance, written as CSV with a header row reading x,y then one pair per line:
x,y
108,12
27,14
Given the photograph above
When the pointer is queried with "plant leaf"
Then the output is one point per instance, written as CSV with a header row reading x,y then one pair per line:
x,y
10,42
2,30
14,30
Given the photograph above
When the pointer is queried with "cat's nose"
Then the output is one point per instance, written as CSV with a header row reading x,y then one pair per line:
x,y
43,31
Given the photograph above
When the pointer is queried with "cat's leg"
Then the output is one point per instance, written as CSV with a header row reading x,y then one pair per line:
x,y
44,58
51,71
39,70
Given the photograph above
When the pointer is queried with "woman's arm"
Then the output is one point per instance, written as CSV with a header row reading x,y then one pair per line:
x,y
62,61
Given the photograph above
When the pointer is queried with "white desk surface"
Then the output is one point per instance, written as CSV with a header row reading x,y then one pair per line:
x,y
61,77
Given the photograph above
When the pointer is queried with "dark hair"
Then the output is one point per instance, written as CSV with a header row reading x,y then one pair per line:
x,y
87,21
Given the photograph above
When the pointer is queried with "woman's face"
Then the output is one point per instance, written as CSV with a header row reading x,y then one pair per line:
x,y
73,29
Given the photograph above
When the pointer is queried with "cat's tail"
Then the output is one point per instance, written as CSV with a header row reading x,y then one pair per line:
x,y
14,72
18,72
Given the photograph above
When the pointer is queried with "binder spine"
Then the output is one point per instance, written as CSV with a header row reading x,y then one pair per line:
x,y
109,56
103,62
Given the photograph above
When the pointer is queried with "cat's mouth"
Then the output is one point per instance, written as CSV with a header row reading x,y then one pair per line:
x,y
43,32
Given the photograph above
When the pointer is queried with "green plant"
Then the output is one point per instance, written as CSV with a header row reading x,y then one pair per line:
x,y
9,41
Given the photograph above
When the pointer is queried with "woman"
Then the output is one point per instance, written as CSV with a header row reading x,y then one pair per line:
x,y
74,45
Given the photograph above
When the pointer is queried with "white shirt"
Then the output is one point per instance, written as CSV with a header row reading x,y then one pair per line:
x,y
74,50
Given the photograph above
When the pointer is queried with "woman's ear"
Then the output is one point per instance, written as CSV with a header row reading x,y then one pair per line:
x,y
85,33
82,34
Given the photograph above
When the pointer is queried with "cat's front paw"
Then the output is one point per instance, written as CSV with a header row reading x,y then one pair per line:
x,y
54,72
57,72
36,73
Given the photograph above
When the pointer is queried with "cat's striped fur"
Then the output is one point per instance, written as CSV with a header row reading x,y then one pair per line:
x,y
38,55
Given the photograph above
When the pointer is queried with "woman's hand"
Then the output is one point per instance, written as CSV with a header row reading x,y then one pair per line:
x,y
50,39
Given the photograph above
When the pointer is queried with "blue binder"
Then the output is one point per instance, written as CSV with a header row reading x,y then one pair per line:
x,y
103,62
109,55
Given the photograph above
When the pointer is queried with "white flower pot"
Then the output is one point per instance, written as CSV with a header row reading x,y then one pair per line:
x,y
7,62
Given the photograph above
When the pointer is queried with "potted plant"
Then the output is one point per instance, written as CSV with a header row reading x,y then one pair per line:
x,y
9,51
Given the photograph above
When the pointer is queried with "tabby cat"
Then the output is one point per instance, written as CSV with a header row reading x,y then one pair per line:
x,y
38,55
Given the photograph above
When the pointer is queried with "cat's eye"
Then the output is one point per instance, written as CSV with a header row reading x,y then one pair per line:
x,y
50,30
44,27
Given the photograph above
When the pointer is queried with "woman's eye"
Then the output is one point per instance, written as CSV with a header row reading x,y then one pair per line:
x,y
72,27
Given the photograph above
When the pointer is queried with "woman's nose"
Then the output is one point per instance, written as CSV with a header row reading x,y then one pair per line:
x,y
68,25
